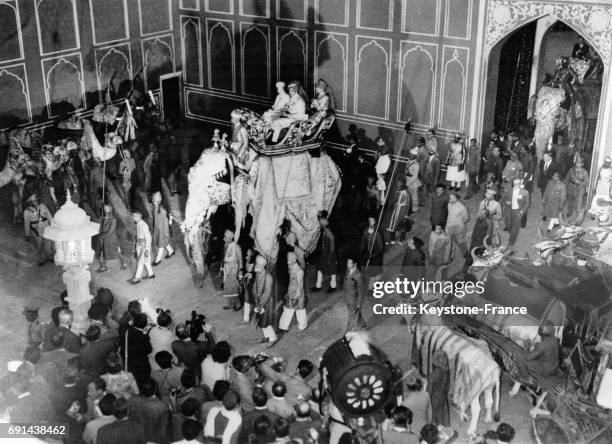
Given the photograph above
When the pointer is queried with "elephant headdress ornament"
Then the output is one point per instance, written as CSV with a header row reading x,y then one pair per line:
x,y
207,189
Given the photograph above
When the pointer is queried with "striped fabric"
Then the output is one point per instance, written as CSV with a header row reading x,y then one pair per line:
x,y
472,369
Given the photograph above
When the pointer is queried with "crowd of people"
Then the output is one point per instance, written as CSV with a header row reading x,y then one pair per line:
x,y
140,378
503,175
134,379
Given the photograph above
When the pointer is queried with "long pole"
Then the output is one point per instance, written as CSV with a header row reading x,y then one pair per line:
x,y
104,164
382,209
518,61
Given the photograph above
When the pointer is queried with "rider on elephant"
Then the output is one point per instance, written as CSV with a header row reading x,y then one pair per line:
x,y
240,140
564,78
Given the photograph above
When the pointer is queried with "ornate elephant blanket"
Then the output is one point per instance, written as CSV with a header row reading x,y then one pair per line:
x,y
547,105
472,368
294,188
292,176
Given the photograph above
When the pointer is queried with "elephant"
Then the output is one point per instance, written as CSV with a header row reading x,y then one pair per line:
x,y
294,187
279,182
557,106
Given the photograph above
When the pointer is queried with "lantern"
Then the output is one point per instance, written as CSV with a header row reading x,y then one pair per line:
x,y
71,230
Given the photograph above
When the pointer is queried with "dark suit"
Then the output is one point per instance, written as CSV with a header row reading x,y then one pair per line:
x,y
248,422
544,176
582,52
353,294
177,424
138,349
62,398
544,359
372,256
431,173
94,355
513,216
439,210
191,354
154,415
55,359
124,431
300,428
72,342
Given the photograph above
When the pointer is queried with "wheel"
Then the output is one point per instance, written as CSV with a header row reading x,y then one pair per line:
x,y
550,430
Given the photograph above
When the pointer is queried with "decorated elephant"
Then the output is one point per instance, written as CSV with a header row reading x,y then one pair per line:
x,y
557,106
293,187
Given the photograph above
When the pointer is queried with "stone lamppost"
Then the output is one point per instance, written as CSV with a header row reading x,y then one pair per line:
x,y
71,230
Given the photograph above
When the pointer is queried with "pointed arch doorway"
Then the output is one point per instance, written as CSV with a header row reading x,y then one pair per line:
x,y
501,18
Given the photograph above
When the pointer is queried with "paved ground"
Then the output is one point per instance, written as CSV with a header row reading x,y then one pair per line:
x,y
21,282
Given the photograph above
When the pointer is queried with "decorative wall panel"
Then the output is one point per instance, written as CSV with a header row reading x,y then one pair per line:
x,y
114,66
191,45
294,10
458,19
417,82
453,88
255,8
221,65
63,84
332,12
158,59
190,5
15,103
592,21
56,21
375,14
155,16
255,59
331,64
291,54
421,17
109,20
10,32
372,76
219,6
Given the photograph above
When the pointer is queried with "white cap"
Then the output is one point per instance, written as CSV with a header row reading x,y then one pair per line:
x,y
13,366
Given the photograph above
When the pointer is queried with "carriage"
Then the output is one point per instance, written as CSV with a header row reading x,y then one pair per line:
x,y
573,407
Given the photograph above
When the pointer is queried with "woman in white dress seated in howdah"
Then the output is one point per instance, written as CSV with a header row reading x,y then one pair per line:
x,y
280,104
296,109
